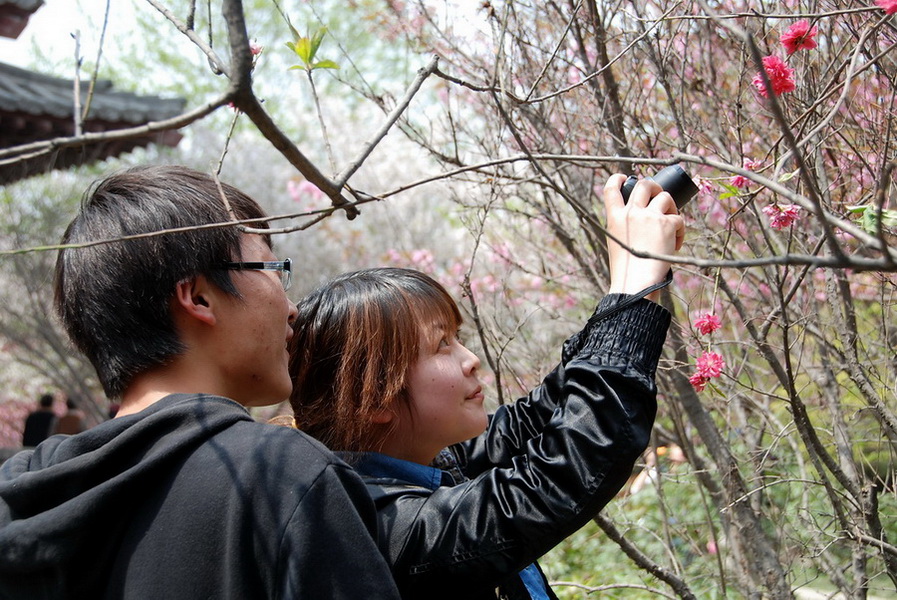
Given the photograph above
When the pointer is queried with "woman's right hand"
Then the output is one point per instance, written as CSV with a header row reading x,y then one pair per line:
x,y
648,223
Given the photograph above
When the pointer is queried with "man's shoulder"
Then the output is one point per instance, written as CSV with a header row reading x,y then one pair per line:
x,y
225,431
277,442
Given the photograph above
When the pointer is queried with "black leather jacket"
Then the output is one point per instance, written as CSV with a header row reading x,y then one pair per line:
x,y
545,466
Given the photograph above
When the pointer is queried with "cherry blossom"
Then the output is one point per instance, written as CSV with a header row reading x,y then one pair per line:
x,y
740,181
781,76
303,190
782,215
698,381
710,364
889,6
800,35
707,323
705,186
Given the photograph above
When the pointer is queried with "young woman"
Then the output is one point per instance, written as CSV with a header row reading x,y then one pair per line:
x,y
467,502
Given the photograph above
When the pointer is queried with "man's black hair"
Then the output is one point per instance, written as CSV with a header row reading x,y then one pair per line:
x,y
114,299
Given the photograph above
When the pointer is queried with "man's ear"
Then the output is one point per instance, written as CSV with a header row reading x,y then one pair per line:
x,y
194,297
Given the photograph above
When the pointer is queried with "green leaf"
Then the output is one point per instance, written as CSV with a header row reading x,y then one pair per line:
x,y
869,217
325,64
731,191
306,48
889,217
787,176
870,221
316,40
303,50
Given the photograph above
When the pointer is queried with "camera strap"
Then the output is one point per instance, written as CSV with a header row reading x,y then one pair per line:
x,y
632,299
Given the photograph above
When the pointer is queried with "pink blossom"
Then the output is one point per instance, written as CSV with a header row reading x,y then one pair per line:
x,y
710,364
255,48
302,190
423,260
740,181
782,215
698,381
889,6
705,186
781,76
12,421
707,323
393,256
799,35
487,284
752,165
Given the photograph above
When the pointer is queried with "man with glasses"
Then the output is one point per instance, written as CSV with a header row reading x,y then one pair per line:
x,y
183,494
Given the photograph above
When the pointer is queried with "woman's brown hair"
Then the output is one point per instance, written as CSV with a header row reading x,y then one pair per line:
x,y
354,341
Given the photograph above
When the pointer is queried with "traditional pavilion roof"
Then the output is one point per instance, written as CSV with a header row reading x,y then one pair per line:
x,y
36,107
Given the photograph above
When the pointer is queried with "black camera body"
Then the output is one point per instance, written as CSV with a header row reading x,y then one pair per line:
x,y
672,179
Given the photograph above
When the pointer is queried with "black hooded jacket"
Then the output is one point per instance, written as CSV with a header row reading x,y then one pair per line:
x,y
190,498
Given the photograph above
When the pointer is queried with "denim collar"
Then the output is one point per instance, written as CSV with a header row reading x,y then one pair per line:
x,y
374,464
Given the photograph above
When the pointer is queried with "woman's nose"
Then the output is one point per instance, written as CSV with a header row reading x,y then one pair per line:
x,y
471,361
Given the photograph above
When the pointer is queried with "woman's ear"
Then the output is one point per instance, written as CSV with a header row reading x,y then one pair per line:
x,y
383,416
194,297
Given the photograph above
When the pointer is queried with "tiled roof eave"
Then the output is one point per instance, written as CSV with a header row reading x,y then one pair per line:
x,y
32,93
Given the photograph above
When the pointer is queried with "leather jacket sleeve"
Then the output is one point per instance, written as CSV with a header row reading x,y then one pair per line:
x,y
513,425
544,467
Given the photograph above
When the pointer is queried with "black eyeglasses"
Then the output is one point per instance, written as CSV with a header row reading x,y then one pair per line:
x,y
285,267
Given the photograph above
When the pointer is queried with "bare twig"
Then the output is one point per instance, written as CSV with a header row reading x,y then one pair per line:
x,y
401,107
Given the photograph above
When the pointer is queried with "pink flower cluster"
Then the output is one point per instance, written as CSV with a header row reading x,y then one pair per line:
x,y
708,366
782,215
421,259
707,323
799,35
781,76
740,181
12,421
889,6
300,191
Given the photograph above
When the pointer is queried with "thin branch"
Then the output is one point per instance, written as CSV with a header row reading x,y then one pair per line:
x,y
215,61
76,86
644,561
341,179
554,53
96,67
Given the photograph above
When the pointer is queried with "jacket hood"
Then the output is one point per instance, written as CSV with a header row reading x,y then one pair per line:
x,y
74,493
